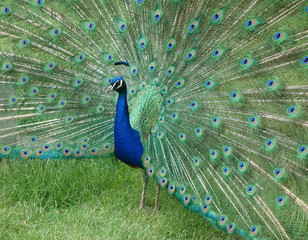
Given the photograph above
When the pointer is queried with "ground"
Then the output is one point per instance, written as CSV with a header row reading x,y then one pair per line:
x,y
89,199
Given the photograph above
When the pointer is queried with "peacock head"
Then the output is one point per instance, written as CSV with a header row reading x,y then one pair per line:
x,y
117,84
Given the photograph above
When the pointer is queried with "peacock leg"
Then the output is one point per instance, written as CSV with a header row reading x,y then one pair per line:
x,y
145,179
156,199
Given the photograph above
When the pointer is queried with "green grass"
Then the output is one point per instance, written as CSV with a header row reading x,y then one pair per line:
x,y
89,199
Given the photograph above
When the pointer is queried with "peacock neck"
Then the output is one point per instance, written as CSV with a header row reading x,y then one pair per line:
x,y
122,115
128,146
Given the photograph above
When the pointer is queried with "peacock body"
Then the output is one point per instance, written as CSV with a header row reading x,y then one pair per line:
x,y
212,99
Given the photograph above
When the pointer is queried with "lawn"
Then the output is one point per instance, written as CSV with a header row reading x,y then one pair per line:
x,y
89,199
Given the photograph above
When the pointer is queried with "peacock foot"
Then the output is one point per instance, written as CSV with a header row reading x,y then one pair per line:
x,y
155,210
142,204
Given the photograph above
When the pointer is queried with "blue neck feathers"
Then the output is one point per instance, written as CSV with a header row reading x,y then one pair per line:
x,y
128,146
122,115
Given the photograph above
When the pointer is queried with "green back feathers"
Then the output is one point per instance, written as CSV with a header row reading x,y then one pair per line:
x,y
145,109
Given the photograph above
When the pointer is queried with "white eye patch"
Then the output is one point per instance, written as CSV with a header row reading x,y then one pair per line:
x,y
121,82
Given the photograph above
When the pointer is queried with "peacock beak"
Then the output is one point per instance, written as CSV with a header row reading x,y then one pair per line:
x,y
110,89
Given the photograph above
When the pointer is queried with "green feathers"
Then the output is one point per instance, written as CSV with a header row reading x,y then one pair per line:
x,y
216,89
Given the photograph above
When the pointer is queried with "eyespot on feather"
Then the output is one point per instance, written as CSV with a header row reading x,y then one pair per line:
x,y
6,66
33,91
209,84
205,208
190,55
194,105
122,26
227,150
270,143
157,15
217,16
25,154
93,151
199,131
23,80
155,81
217,53
46,147
55,32
186,199
279,36
253,121
38,152
254,230
150,171
170,45
62,103
242,166
164,89
133,70
12,100
171,188
231,228
38,3
151,67
5,10
250,190
160,135
66,152
304,61
302,150
6,149
293,111
278,173
80,58
193,27
235,96
175,116
163,182
50,66
208,199
142,44
223,220
182,190
250,24
246,62
77,153
213,154
24,42
180,83
170,71
280,201
90,26
226,171
196,161
59,146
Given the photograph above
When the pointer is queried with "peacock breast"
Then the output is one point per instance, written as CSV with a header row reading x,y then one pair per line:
x,y
128,147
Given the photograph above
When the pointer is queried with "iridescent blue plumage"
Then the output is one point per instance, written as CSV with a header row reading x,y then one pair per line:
x,y
127,141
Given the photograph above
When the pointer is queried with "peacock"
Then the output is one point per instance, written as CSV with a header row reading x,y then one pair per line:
x,y
208,98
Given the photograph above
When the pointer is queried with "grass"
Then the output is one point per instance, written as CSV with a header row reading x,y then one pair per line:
x,y
89,199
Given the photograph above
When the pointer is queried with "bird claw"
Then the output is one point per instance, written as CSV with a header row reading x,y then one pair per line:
x,y
154,211
141,207
142,204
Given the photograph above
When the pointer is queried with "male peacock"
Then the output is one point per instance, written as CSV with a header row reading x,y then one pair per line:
x,y
212,103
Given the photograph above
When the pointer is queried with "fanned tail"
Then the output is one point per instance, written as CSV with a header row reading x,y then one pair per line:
x,y
231,138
